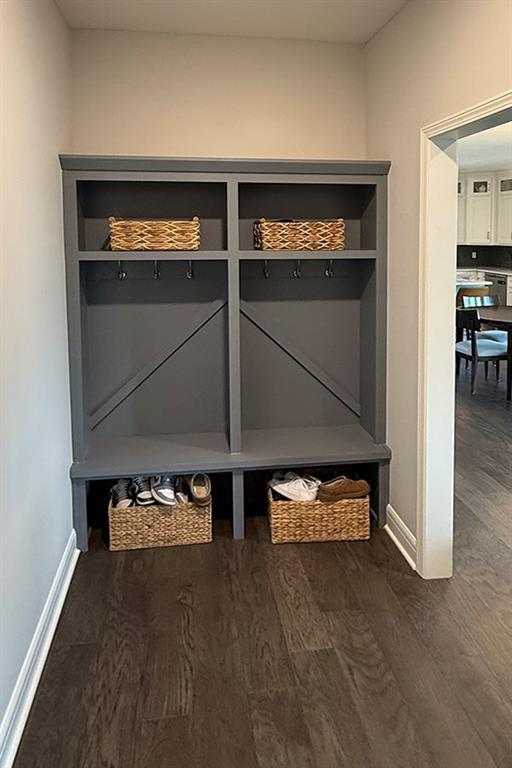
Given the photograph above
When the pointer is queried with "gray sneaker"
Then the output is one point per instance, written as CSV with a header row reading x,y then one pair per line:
x,y
121,497
162,488
141,491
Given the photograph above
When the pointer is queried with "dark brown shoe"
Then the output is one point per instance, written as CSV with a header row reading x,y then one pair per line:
x,y
343,488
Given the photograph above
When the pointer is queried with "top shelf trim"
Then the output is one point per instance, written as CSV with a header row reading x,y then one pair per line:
x,y
207,165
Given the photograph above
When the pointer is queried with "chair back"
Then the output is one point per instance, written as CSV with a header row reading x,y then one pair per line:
x,y
468,319
463,291
470,302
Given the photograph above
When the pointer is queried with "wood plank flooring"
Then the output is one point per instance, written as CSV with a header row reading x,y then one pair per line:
x,y
248,655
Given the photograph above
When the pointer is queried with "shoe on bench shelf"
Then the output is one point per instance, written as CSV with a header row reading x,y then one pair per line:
x,y
291,486
200,489
343,488
162,489
141,491
121,496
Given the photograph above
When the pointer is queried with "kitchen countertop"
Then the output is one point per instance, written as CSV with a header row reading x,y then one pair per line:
x,y
498,271
472,283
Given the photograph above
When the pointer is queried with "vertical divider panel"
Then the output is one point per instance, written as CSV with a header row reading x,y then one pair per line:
x,y
238,504
235,420
76,319
381,311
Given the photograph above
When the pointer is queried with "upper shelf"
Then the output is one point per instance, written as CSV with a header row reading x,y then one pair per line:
x,y
355,203
97,200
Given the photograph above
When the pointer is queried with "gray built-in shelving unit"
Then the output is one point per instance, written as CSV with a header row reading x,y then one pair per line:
x,y
225,359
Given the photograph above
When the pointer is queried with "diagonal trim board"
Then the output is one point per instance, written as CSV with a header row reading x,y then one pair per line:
x,y
275,335
126,389
18,708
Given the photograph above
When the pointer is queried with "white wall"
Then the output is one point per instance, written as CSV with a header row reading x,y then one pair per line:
x,y
35,426
432,60
161,94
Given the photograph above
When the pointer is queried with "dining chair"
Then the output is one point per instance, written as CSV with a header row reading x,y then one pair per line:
x,y
476,349
473,302
464,292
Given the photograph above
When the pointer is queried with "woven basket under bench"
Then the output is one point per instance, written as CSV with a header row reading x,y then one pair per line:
x,y
293,521
159,526
319,235
154,235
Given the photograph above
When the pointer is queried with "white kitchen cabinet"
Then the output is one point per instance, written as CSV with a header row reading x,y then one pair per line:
x,y
461,211
504,208
479,208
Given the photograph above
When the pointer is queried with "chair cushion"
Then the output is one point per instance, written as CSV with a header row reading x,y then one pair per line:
x,y
494,335
485,348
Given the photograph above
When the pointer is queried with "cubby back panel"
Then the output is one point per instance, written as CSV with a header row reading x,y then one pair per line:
x,y
301,344
151,346
187,393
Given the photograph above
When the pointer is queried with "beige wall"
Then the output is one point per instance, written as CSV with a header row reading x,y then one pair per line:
x,y
432,60
35,429
137,93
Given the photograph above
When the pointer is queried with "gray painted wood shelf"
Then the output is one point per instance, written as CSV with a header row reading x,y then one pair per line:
x,y
226,359
263,448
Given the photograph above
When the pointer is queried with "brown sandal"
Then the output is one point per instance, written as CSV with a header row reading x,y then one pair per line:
x,y
200,489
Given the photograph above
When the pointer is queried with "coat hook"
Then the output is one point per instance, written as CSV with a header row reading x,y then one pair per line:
x,y
266,270
190,270
297,272
156,271
329,271
121,274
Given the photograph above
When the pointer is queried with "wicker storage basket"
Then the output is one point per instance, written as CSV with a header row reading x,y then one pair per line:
x,y
321,235
159,526
157,235
346,520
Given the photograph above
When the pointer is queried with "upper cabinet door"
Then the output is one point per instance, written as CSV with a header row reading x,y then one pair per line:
x,y
479,209
461,211
504,208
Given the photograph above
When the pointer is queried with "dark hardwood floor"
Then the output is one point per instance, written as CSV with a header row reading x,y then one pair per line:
x,y
248,655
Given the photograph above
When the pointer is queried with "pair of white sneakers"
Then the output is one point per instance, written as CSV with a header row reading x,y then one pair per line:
x,y
292,486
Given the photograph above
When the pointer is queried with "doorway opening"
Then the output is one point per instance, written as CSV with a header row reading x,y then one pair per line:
x,y
438,257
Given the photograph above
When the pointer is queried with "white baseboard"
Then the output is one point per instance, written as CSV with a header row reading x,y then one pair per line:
x,y
401,536
16,714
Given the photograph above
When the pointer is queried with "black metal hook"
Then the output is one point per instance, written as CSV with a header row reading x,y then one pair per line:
x,y
297,272
156,270
329,271
266,270
190,270
121,274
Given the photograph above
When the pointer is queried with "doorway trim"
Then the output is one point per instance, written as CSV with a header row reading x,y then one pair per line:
x,y
436,306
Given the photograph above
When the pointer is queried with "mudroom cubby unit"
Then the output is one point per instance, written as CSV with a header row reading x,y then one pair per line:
x,y
226,359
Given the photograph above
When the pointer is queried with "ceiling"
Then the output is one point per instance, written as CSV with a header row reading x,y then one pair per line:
x,y
346,21
487,151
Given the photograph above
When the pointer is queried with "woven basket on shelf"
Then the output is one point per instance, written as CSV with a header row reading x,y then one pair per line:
x,y
321,235
154,235
346,520
159,526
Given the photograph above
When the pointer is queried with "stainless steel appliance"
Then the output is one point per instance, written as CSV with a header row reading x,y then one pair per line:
x,y
499,287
